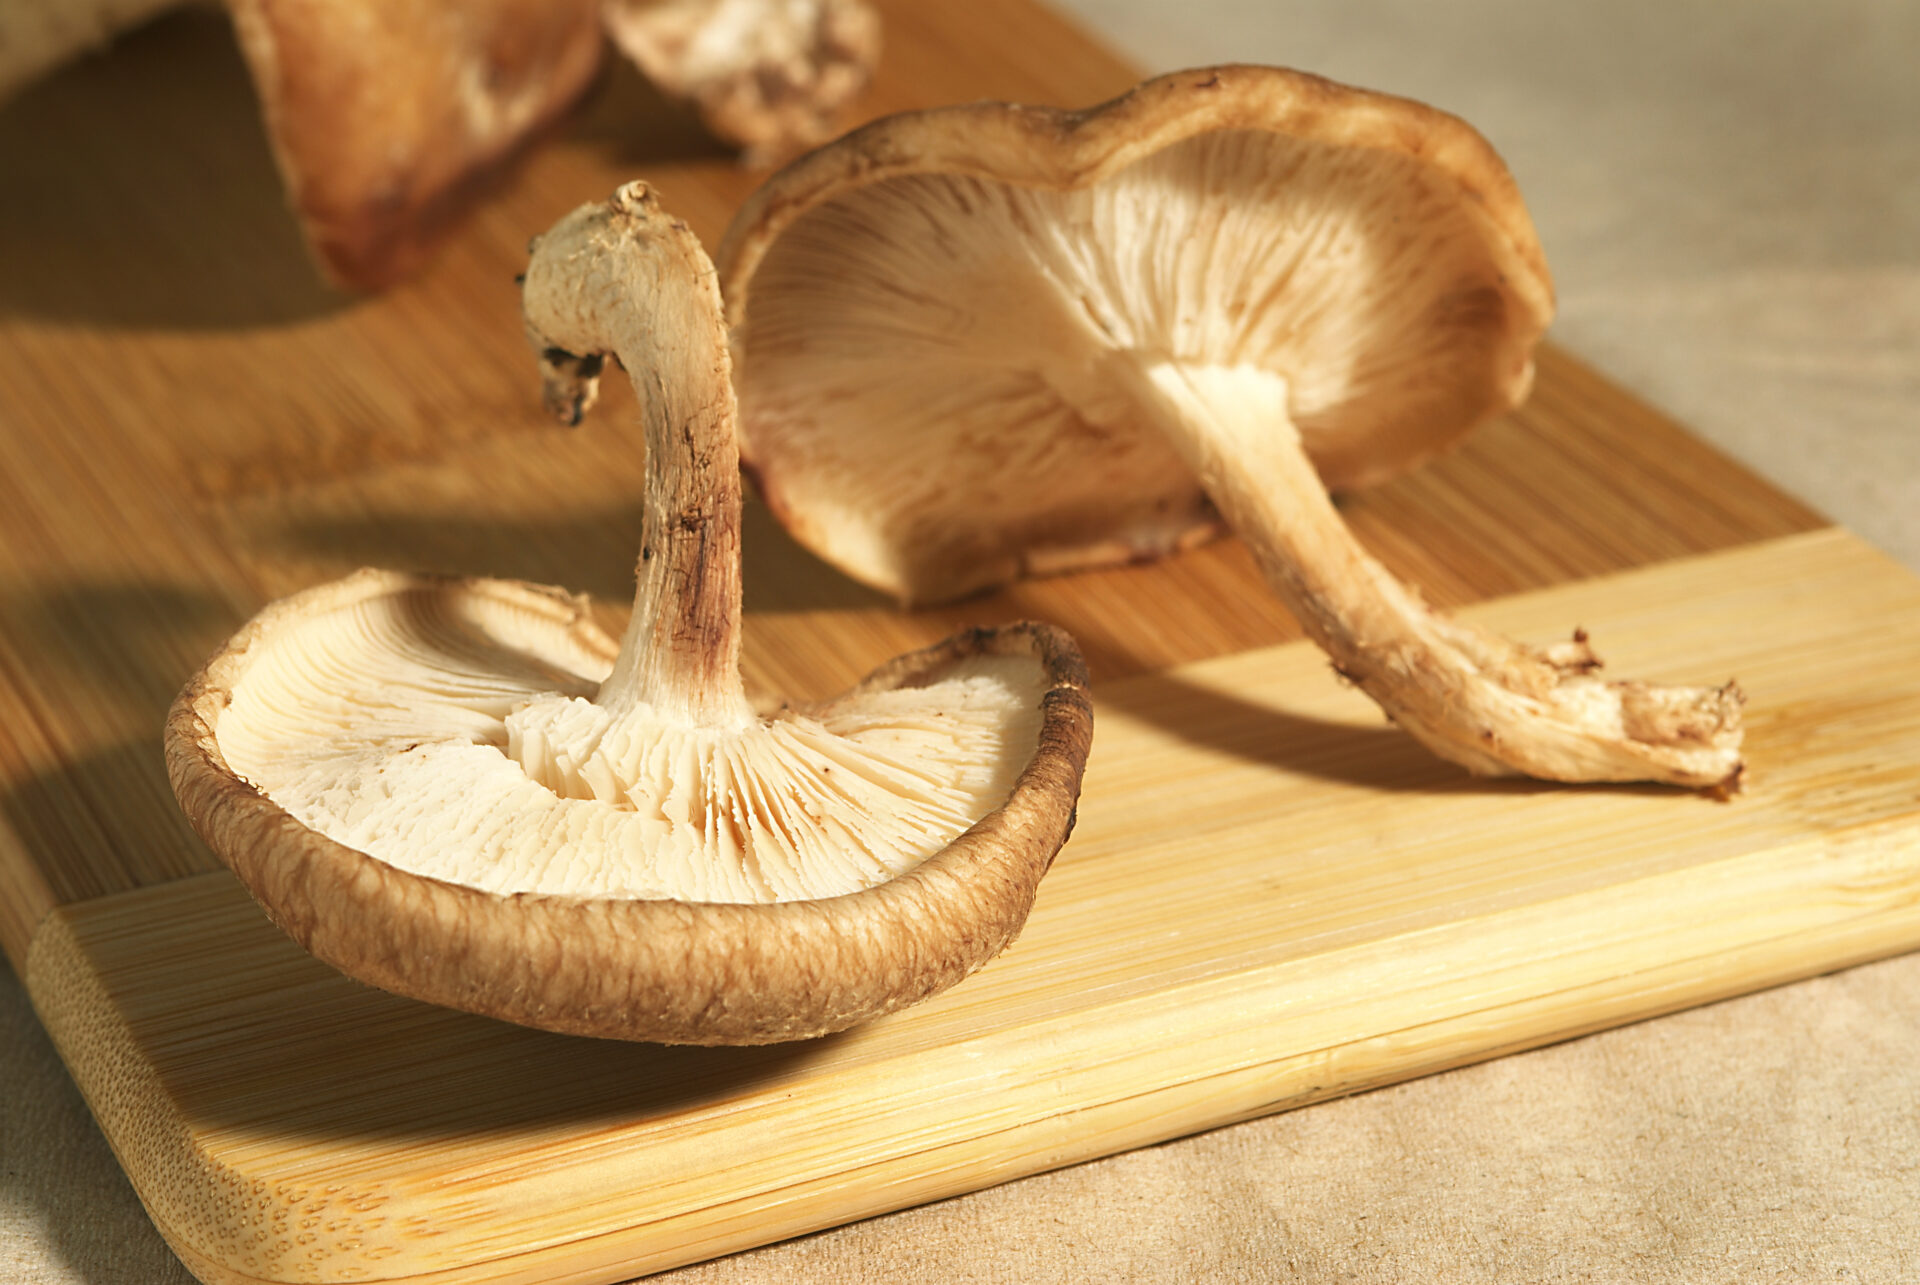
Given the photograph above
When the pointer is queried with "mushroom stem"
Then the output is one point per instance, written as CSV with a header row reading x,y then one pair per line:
x,y
1472,697
625,278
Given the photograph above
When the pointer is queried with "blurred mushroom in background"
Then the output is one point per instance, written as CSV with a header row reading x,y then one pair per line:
x,y
388,118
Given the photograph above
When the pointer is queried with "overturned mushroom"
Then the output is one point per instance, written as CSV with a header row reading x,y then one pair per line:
x,y
461,790
985,341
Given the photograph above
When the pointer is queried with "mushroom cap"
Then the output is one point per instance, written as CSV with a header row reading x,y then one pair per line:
x,y
773,75
388,117
594,962
920,310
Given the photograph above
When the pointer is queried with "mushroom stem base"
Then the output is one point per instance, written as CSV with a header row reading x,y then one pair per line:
x,y
1493,706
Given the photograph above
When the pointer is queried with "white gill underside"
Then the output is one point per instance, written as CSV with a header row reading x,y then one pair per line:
x,y
458,744
923,356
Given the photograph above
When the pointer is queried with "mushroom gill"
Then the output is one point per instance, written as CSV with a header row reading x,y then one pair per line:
x,y
430,732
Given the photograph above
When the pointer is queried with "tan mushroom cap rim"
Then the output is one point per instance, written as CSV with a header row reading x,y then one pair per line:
x,y
645,969
822,254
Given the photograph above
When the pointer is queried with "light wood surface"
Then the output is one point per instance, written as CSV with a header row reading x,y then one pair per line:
x,y
1271,899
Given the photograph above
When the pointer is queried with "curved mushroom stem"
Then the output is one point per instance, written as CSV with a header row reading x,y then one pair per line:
x,y
623,277
1470,696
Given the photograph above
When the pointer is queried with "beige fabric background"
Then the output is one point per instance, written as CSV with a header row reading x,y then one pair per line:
x,y
1730,196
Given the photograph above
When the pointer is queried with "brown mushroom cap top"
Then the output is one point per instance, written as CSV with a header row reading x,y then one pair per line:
x,y
388,117
921,312
463,791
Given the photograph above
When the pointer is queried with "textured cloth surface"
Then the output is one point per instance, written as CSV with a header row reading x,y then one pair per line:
x,y
1730,198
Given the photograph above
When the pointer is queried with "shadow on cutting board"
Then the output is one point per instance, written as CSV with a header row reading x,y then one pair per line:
x,y
202,979
140,192
585,550
98,664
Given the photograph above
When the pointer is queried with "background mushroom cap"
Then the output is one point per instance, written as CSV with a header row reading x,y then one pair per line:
x,y
773,75
913,308
663,970
388,117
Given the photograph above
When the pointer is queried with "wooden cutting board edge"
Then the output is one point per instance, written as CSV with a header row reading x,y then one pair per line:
x,y
1752,921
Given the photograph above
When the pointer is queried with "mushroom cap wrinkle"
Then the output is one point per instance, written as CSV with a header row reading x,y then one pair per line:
x,y
464,791
989,341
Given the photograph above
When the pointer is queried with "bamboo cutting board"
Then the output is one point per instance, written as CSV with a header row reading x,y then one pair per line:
x,y
1272,898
